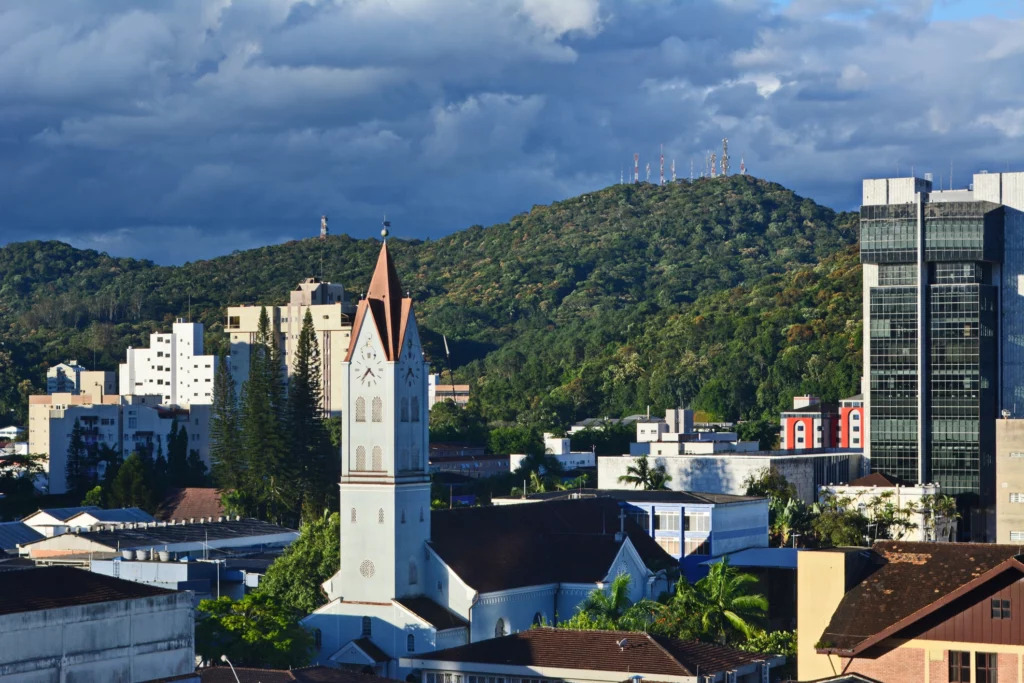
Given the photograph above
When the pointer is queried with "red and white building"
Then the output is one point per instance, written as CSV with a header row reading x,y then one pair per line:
x,y
813,424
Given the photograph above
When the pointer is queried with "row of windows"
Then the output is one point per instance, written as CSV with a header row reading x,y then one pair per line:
x,y
380,516
439,677
407,411
409,460
986,666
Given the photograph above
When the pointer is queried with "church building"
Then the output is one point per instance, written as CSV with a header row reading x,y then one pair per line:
x,y
412,581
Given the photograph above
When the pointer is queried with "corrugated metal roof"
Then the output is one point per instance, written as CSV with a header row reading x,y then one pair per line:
x,y
119,515
13,533
63,514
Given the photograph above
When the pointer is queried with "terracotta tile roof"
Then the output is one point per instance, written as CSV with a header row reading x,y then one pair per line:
x,y
190,503
878,479
641,653
510,546
900,580
30,590
312,674
370,648
434,614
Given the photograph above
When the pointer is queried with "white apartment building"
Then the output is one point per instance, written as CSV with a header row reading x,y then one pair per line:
x,y
676,435
72,378
173,368
124,423
332,319
438,391
559,448
866,490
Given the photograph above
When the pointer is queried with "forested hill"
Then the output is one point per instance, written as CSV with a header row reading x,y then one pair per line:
x,y
730,294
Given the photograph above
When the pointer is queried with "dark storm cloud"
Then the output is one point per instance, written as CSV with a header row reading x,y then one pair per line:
x,y
177,130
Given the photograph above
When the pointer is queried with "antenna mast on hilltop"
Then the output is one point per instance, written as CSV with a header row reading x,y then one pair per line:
x,y
621,175
636,169
691,169
714,172
673,170
648,171
743,166
725,156
661,178
323,227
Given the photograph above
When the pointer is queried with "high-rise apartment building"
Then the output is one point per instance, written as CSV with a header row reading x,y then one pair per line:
x,y
944,331
332,319
173,368
72,378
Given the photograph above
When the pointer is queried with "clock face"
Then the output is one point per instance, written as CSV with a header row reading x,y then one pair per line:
x,y
411,374
368,368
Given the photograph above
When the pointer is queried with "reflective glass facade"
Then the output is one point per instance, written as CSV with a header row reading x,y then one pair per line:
x,y
954,420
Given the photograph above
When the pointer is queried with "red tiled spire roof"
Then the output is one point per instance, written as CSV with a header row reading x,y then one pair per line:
x,y
385,305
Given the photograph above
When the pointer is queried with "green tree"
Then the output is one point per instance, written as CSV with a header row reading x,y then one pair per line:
x,y
76,466
612,610
294,579
18,474
769,483
94,497
763,430
312,457
642,476
226,455
256,631
507,440
730,610
450,422
177,456
133,486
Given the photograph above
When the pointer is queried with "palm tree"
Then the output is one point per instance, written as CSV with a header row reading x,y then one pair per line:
x,y
728,606
606,609
544,463
638,474
659,479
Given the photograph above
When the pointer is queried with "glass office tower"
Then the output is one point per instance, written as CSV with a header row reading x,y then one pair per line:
x,y
932,339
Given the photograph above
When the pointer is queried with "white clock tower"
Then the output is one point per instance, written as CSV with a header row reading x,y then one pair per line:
x,y
385,481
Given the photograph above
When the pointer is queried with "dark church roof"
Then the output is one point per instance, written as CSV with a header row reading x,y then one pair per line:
x,y
511,546
436,615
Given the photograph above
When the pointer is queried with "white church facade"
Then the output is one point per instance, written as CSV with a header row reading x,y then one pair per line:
x,y
411,580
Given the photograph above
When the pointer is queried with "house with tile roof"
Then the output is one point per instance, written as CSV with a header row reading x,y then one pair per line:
x,y
412,580
903,611
571,656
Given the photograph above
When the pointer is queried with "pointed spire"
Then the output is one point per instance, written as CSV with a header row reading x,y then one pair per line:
x,y
385,299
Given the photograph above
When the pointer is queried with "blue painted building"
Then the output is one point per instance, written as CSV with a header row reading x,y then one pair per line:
x,y
693,527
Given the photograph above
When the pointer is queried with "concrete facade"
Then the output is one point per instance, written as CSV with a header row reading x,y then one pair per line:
x,y
1009,481
173,367
72,378
124,641
727,472
332,319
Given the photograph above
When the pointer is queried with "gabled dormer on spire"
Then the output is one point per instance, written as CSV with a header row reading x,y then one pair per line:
x,y
386,307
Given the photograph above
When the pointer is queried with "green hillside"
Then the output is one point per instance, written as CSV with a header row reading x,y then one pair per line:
x,y
730,294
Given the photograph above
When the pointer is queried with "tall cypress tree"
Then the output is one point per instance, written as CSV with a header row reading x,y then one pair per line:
x,y
76,469
226,456
177,455
308,438
266,491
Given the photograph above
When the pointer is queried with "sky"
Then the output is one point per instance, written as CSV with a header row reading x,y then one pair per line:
x,y
176,130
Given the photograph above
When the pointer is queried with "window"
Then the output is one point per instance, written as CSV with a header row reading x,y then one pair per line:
x,y
403,515
1017,535
1017,454
415,408
799,427
378,459
361,459
959,667
856,428
666,521
318,638
1000,608
234,322
671,545
414,573
367,627
360,409
421,514
855,416
131,423
380,516
353,515
404,410
499,629
410,643
985,667
698,521
378,409
698,546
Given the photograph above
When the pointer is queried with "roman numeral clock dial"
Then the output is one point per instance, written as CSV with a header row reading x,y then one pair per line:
x,y
368,367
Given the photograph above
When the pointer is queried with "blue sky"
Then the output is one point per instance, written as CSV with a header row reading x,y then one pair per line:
x,y
176,130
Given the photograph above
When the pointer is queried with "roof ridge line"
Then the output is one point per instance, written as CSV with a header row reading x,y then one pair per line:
x,y
654,639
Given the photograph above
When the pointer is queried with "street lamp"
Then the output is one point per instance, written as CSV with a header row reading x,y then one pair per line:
x,y
224,658
794,537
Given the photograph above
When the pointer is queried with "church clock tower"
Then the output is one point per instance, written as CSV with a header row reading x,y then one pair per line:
x,y
385,481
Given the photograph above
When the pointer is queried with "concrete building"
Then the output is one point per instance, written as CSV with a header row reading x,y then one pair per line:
x,y
551,654
332,319
413,580
691,527
173,367
436,391
475,466
851,422
72,378
904,611
11,433
558,447
862,493
124,423
54,521
727,472
677,435
944,316
65,624
1009,511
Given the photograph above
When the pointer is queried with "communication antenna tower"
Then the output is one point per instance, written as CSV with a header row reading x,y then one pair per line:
x,y
323,227
661,172
725,156
636,169
714,171
743,166
648,171
673,170
621,175
691,169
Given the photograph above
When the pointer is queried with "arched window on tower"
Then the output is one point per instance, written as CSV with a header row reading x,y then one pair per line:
x,y
404,409
378,409
499,629
415,408
380,516
403,515
378,459
360,458
353,515
410,643
360,409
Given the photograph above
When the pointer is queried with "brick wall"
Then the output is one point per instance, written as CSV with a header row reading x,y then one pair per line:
x,y
904,664
1007,667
